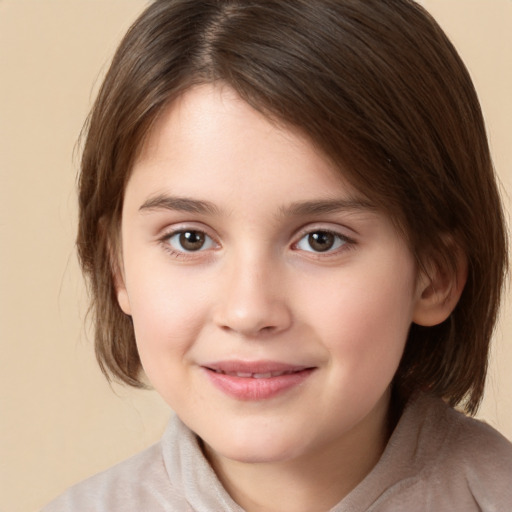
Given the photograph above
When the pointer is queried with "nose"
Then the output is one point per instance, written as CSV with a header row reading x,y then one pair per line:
x,y
253,300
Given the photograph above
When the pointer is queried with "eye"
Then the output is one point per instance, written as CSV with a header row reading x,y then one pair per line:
x,y
321,241
190,241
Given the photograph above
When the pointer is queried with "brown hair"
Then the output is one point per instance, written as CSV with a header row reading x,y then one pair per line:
x,y
378,87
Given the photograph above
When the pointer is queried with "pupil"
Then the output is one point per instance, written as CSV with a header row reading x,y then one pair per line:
x,y
191,240
321,241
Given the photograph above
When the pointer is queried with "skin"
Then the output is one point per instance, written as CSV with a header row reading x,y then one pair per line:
x,y
258,290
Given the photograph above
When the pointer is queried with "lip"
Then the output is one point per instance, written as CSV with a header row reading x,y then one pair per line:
x,y
256,380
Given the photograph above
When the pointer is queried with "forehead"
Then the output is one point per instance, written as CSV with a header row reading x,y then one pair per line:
x,y
209,138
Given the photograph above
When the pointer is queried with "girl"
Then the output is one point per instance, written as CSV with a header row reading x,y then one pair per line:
x,y
290,226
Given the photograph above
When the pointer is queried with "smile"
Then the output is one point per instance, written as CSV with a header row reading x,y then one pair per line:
x,y
267,375
255,381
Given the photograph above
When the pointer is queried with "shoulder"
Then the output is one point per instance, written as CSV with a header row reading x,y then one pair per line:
x,y
173,475
483,456
138,483
466,457
439,459
469,440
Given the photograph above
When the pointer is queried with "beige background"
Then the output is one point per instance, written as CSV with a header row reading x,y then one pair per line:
x,y
59,420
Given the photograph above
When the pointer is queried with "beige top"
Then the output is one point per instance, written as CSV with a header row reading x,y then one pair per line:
x,y
436,460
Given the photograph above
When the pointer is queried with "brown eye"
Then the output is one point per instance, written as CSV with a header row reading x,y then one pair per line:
x,y
191,240
321,241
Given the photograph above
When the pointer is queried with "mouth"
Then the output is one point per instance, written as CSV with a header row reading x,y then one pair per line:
x,y
255,380
250,375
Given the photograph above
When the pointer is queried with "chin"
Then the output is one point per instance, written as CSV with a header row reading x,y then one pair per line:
x,y
256,448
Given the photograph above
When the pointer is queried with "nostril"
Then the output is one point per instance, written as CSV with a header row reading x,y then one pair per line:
x,y
252,318
269,329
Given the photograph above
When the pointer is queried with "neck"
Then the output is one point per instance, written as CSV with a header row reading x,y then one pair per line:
x,y
314,481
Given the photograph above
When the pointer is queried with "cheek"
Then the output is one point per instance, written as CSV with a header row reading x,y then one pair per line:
x,y
364,318
168,313
167,321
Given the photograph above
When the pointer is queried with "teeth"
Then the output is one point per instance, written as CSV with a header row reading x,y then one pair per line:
x,y
248,375
267,375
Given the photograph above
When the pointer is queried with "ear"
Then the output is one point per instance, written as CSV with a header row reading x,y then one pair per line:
x,y
439,289
121,292
116,266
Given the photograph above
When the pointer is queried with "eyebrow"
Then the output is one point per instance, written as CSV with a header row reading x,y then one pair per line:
x,y
298,209
182,204
319,207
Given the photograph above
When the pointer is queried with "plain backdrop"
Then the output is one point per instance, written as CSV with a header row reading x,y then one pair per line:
x,y
59,420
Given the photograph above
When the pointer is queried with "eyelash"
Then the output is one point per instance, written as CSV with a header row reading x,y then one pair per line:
x,y
345,242
184,254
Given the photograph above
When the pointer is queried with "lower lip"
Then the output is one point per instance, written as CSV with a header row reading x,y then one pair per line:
x,y
249,388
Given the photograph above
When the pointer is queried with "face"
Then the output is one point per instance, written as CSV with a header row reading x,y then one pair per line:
x,y
271,302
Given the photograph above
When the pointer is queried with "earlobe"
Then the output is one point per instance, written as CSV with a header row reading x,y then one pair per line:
x,y
439,290
121,292
119,285
123,300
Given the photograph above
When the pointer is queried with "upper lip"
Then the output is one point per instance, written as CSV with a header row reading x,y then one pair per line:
x,y
251,368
